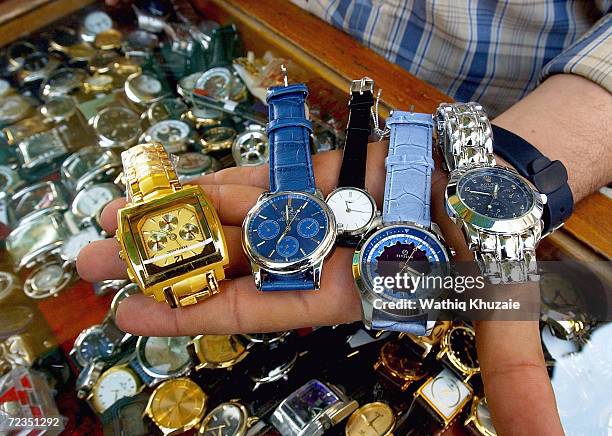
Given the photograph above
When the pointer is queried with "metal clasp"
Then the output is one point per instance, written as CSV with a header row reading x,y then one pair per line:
x,y
284,72
362,85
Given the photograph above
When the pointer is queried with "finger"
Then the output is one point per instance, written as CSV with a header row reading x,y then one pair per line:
x,y
108,217
100,259
326,169
232,202
240,308
515,378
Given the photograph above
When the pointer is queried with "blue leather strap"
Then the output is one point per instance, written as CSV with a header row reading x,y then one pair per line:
x,y
303,281
409,166
407,195
289,137
416,325
549,177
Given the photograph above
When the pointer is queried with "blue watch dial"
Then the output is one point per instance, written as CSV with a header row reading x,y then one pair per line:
x,y
96,345
287,227
404,250
495,193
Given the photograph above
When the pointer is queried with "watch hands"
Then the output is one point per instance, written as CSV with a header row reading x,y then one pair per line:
x,y
288,228
495,190
480,193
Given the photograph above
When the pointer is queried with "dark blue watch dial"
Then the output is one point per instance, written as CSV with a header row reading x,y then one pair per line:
x,y
287,227
96,344
495,193
401,249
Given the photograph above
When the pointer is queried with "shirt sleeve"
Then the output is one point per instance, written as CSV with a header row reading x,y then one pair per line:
x,y
590,56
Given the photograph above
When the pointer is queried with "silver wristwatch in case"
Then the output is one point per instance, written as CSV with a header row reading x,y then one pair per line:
x,y
312,409
499,211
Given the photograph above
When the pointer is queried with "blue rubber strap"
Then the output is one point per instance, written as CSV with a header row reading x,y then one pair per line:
x,y
289,137
409,166
549,177
303,281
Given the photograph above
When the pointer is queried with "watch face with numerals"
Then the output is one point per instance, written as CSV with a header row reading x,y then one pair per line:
x,y
495,193
353,208
227,419
114,384
288,227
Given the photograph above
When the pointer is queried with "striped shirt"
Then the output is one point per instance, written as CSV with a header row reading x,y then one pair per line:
x,y
491,51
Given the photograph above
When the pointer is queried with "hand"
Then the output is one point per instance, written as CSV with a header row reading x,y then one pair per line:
x,y
516,382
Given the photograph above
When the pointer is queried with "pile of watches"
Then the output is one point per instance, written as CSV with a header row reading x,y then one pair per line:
x,y
77,94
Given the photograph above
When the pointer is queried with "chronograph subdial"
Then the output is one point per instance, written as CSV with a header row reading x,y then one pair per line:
x,y
172,236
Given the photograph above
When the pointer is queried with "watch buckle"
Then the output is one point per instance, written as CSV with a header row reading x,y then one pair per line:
x,y
362,85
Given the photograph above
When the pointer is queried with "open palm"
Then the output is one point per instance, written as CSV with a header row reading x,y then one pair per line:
x,y
510,353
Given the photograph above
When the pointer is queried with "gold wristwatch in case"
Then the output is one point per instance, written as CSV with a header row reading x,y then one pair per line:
x,y
170,236
427,343
217,351
398,366
177,405
372,419
458,349
479,420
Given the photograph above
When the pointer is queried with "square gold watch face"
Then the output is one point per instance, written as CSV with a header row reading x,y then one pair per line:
x,y
175,236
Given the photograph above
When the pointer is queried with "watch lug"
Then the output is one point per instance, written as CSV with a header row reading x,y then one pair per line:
x,y
256,274
319,194
263,196
316,274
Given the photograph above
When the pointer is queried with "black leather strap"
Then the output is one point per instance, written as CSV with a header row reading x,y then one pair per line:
x,y
353,169
549,177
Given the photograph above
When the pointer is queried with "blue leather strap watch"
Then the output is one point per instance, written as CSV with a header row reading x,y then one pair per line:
x,y
289,138
290,230
406,240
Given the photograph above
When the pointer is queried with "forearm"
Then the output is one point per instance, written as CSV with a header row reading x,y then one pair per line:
x,y
568,119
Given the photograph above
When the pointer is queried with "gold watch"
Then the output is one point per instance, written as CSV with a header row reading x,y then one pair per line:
x,y
397,365
170,236
427,343
177,405
372,419
458,349
217,351
479,420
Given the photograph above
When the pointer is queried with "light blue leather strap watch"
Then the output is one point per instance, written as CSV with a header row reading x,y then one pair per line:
x,y
407,196
409,166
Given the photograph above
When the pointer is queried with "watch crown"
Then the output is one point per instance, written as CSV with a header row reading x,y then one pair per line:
x,y
121,255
